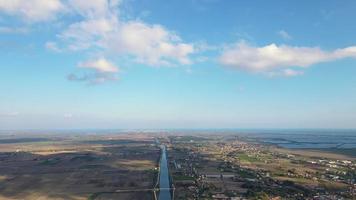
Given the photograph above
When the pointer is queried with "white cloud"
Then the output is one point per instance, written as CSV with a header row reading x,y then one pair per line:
x,y
88,33
274,59
100,65
103,71
285,73
150,44
98,26
284,34
101,28
291,72
32,10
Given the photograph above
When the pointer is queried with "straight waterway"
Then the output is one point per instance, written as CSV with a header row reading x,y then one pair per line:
x,y
164,185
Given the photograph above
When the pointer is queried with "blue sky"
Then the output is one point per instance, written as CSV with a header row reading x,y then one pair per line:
x,y
177,64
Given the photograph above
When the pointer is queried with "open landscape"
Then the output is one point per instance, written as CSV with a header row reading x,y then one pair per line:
x,y
205,165
177,100
77,167
230,166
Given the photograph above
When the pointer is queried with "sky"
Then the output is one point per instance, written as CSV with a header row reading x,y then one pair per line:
x,y
155,64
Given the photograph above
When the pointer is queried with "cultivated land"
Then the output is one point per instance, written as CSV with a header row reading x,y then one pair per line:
x,y
232,167
77,166
202,165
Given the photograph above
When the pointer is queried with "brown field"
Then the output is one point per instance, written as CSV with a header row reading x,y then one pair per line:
x,y
131,195
76,168
318,153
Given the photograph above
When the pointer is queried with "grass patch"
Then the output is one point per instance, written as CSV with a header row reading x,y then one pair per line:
x,y
247,158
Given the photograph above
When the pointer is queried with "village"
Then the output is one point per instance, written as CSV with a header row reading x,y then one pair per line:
x,y
227,167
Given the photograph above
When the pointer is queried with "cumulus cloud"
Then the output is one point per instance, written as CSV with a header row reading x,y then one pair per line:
x,y
32,10
98,25
102,71
100,65
279,59
149,44
101,28
88,33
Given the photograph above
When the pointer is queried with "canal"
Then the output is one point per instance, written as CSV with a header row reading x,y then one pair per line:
x,y
164,185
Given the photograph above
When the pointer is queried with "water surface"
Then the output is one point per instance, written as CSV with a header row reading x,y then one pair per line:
x,y
164,185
